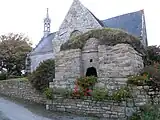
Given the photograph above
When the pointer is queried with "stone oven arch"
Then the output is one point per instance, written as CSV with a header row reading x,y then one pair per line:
x,y
91,71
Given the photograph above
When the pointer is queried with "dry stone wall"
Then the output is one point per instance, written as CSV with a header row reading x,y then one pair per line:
x,y
113,64
109,109
21,89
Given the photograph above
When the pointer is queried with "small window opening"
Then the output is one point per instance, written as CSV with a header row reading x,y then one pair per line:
x,y
91,60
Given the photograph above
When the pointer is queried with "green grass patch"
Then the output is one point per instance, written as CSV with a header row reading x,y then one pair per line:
x,y
106,36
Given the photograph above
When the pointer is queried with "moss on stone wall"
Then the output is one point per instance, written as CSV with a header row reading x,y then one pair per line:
x,y
106,36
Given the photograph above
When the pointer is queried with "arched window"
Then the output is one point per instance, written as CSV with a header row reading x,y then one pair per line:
x,y
75,33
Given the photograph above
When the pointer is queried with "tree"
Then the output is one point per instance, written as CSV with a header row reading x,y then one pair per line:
x,y
153,54
44,74
13,51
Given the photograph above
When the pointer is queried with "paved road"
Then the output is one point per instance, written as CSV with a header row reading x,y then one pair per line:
x,y
13,110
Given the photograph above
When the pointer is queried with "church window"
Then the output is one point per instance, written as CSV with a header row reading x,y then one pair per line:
x,y
75,33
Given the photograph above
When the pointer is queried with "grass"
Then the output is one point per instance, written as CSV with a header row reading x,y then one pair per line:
x,y
106,36
16,79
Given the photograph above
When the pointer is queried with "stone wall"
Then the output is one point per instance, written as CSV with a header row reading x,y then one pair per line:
x,y
21,89
90,55
78,18
116,63
112,64
109,109
111,84
67,68
119,61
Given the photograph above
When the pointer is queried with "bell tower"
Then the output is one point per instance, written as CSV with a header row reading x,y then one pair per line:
x,y
47,22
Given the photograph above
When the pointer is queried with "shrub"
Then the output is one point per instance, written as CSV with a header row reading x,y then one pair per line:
x,y
65,93
121,94
149,75
14,76
153,55
147,112
149,70
153,72
86,82
79,93
107,36
136,80
99,94
3,75
85,86
135,116
48,93
44,74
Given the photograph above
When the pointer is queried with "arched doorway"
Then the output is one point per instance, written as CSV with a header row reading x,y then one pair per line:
x,y
91,72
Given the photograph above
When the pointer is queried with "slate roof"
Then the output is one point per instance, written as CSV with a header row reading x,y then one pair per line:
x,y
45,44
130,22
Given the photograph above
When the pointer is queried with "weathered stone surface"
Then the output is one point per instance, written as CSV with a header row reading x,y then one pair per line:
x,y
130,111
21,89
98,109
109,109
112,64
121,60
68,64
68,68
78,18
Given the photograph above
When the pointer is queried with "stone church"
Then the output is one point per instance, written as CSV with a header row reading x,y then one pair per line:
x,y
78,21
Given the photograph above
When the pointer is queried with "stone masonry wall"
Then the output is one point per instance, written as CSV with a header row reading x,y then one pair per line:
x,y
67,68
112,63
78,18
111,84
21,89
90,52
115,63
109,109
119,61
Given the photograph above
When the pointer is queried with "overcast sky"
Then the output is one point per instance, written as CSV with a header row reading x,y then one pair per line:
x,y
26,16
